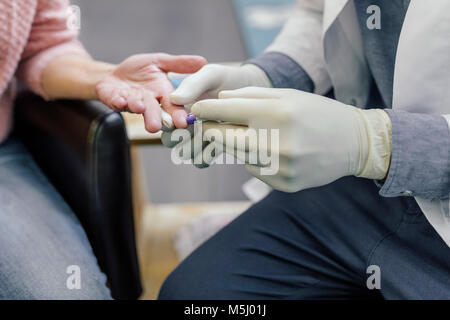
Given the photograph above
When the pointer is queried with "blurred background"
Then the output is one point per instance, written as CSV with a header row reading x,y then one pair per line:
x,y
181,205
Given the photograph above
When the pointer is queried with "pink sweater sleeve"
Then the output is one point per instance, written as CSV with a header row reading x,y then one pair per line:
x,y
49,38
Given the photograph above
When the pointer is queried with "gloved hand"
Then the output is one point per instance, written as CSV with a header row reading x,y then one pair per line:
x,y
208,82
213,78
320,139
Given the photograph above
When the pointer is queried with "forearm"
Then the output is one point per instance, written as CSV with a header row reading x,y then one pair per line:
x,y
73,77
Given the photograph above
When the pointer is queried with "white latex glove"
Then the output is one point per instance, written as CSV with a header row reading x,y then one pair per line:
x,y
213,78
206,84
320,139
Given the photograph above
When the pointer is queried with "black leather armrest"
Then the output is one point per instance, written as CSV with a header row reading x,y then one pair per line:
x,y
83,149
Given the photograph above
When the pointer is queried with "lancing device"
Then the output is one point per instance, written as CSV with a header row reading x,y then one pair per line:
x,y
167,122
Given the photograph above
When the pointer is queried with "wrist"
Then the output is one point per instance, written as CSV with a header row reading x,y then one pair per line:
x,y
378,144
73,77
97,74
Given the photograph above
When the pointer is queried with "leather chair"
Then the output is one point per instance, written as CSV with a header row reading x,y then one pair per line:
x,y
83,148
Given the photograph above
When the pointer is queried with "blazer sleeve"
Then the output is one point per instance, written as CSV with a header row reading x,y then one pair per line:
x,y
296,58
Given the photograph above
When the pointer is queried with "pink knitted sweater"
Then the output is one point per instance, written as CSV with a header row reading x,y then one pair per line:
x,y
32,33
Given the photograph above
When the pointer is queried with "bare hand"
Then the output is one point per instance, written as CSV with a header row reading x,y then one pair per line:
x,y
140,84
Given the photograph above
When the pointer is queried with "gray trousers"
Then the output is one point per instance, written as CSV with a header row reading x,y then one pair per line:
x,y
322,243
42,244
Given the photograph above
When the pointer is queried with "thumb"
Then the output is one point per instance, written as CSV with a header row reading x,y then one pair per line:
x,y
192,88
180,64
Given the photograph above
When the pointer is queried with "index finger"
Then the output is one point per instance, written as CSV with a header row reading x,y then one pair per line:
x,y
237,111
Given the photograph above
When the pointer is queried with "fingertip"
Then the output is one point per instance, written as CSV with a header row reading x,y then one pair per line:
x,y
140,107
153,126
196,109
200,61
119,102
194,60
182,125
179,119
156,124
199,58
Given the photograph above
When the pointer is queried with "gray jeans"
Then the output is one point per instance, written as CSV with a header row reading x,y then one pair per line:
x,y
44,252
